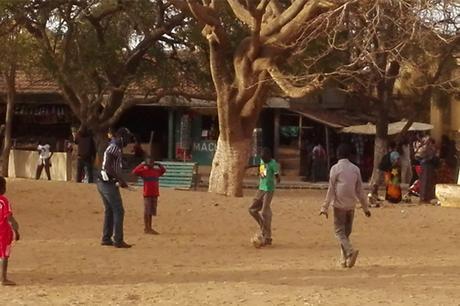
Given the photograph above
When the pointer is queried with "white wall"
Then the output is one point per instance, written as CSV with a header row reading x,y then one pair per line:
x,y
23,164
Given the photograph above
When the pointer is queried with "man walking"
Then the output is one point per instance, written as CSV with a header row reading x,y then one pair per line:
x,y
108,184
345,187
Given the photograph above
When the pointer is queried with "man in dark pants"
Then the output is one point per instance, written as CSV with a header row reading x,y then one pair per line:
x,y
108,184
86,154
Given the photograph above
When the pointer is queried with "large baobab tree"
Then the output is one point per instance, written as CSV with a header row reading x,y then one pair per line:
x,y
251,46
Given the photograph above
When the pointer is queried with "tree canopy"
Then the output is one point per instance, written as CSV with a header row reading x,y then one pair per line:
x,y
107,55
104,53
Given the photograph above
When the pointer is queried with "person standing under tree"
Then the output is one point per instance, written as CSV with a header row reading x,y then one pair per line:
x,y
318,163
86,151
260,208
429,162
44,160
345,187
108,184
378,179
393,192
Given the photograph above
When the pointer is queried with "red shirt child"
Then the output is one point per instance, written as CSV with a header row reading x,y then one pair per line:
x,y
8,232
151,176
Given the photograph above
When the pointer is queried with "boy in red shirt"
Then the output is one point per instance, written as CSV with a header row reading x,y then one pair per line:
x,y
150,175
9,230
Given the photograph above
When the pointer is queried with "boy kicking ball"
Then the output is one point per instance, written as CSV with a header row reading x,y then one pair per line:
x,y
260,209
345,187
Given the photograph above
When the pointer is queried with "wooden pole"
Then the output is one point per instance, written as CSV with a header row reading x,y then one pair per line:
x,y
152,133
300,131
328,148
170,134
276,137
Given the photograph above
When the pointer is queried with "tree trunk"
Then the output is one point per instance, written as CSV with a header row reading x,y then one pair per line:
x,y
385,95
101,141
228,167
380,142
10,97
380,149
234,143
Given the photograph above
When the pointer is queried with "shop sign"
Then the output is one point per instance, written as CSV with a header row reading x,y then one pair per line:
x,y
205,147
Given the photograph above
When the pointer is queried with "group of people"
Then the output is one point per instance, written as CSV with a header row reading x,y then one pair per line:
x,y
86,153
412,163
110,180
345,189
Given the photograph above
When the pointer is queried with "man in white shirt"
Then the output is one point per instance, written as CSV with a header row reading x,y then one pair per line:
x,y
44,151
345,188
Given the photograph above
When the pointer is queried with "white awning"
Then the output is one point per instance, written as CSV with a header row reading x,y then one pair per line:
x,y
393,128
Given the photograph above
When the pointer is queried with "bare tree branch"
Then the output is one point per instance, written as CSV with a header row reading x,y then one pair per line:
x,y
292,90
241,13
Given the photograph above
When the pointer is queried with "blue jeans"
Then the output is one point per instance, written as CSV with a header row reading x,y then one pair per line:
x,y
113,212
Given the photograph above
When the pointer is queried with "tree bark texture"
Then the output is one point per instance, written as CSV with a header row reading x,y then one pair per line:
x,y
228,167
234,143
380,149
101,141
10,79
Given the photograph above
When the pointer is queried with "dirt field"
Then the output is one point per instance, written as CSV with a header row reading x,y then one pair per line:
x,y
409,255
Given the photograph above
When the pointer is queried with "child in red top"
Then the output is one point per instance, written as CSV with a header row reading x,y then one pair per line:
x,y
9,230
150,175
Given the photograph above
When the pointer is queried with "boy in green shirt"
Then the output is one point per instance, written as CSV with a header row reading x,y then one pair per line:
x,y
260,208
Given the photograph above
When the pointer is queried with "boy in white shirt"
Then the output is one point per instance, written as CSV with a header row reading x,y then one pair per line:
x,y
44,151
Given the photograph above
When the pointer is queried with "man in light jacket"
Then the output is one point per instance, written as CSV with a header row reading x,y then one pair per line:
x,y
345,189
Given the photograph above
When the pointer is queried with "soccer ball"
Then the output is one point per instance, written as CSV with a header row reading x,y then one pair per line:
x,y
257,241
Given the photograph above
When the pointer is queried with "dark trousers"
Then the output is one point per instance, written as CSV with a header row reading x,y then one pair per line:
x,y
84,166
261,211
343,224
43,164
318,171
113,212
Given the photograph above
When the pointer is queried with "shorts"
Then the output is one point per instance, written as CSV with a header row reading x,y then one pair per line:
x,y
6,239
150,206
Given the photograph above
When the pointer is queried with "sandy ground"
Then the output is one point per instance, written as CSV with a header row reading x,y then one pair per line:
x,y
409,255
